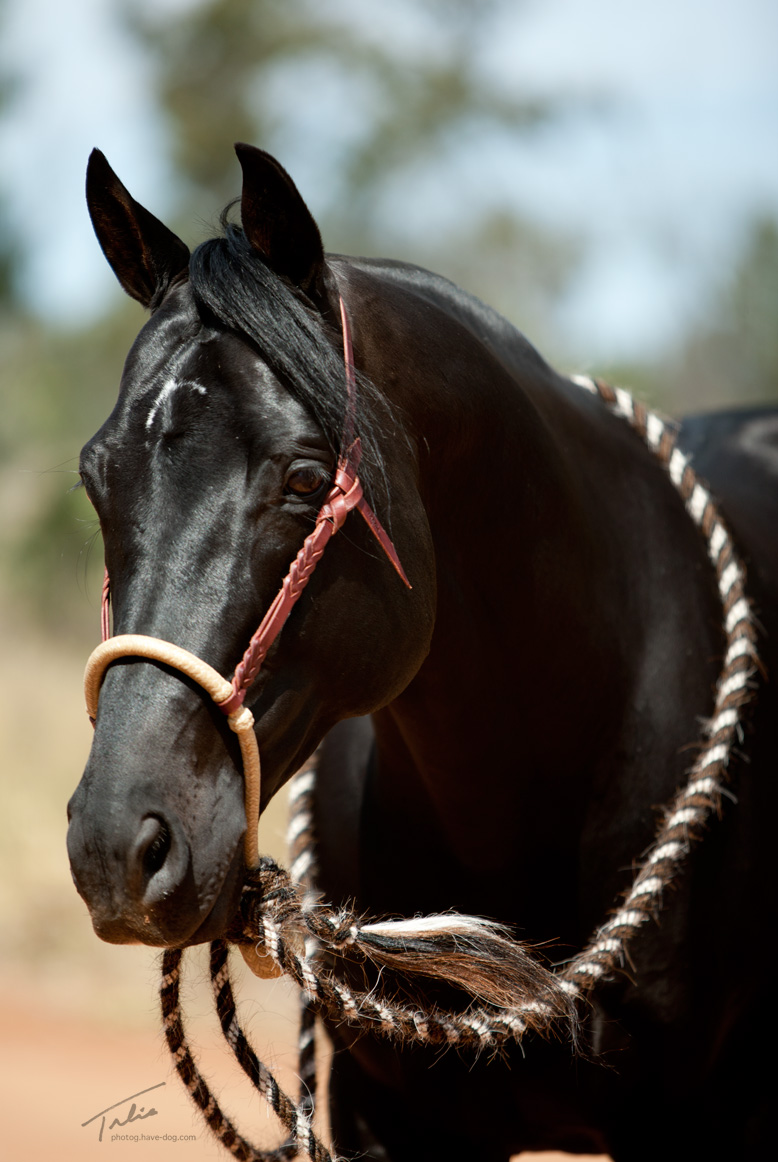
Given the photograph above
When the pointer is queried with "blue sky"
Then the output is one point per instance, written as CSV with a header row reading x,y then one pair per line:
x,y
661,184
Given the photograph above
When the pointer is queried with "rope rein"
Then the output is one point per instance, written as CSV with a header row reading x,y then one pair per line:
x,y
280,917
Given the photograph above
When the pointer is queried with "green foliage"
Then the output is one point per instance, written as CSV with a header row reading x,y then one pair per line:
x,y
57,388
732,356
10,254
9,264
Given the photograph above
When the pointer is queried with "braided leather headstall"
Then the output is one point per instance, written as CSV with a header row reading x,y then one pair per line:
x,y
345,494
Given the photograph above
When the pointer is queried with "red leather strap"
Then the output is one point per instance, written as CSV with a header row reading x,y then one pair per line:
x,y
380,534
105,608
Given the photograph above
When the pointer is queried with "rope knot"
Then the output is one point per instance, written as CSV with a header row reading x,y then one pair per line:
x,y
241,719
342,932
343,497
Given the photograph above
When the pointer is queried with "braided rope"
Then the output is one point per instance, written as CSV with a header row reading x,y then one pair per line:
x,y
300,840
297,1121
685,817
274,912
298,1126
296,1118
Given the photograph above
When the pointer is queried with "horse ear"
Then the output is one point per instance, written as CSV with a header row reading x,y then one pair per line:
x,y
276,220
144,255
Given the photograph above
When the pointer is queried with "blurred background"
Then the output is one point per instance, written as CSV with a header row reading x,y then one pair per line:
x,y
605,174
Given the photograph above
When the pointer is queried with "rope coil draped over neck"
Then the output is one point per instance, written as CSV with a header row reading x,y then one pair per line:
x,y
345,494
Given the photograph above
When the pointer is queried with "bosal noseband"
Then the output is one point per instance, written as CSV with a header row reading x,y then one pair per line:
x,y
344,495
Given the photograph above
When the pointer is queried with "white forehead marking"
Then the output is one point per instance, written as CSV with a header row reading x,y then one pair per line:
x,y
168,387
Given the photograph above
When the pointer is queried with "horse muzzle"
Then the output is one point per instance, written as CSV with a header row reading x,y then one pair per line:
x,y
136,873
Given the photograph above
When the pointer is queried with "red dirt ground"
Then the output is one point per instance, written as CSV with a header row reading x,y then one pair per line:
x,y
57,1071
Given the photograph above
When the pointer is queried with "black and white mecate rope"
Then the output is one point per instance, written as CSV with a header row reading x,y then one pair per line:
x,y
507,992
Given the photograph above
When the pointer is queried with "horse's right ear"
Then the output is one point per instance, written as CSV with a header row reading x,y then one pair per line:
x,y
144,255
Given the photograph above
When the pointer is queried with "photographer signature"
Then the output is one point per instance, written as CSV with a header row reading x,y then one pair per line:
x,y
134,1115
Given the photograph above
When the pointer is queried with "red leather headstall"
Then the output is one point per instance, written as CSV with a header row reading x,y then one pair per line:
x,y
344,495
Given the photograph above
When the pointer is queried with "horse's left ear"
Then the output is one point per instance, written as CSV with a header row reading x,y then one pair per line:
x,y
144,255
277,222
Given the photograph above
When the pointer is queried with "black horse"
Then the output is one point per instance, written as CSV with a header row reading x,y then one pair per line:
x,y
496,739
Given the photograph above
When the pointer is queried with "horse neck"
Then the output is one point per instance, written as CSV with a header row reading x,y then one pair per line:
x,y
555,636
523,637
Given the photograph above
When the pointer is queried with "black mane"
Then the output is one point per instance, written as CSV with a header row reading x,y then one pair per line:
x,y
235,289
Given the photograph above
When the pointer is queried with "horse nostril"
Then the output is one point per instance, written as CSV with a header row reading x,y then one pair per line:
x,y
157,866
153,844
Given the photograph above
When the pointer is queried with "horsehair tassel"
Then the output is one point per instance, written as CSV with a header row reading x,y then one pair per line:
x,y
477,956
507,990
409,946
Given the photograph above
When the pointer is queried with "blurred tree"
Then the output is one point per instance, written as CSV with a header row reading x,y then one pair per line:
x,y
518,268
10,255
729,358
355,94
58,387
732,356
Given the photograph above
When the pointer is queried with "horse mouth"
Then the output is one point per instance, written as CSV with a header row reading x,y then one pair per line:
x,y
224,905
180,918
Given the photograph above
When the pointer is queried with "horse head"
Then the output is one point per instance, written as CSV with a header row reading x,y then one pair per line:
x,y
207,477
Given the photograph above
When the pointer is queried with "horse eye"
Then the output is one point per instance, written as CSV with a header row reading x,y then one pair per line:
x,y
306,481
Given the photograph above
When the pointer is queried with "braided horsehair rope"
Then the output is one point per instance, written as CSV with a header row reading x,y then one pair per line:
x,y
274,912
